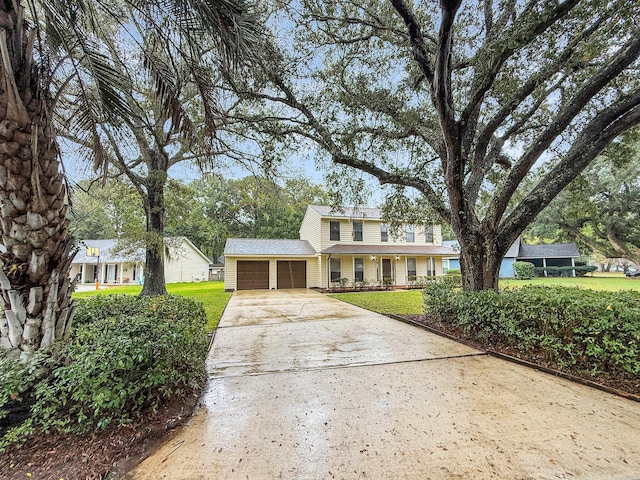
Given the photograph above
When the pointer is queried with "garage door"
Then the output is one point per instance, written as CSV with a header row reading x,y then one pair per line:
x,y
292,274
253,275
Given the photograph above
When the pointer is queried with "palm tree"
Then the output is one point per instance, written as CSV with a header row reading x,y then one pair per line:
x,y
49,40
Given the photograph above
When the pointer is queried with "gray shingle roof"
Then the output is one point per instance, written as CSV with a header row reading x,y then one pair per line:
x,y
348,212
111,253
394,249
264,246
554,250
108,252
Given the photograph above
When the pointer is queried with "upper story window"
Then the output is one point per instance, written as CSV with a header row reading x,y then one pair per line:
x,y
428,234
357,231
384,233
334,231
411,233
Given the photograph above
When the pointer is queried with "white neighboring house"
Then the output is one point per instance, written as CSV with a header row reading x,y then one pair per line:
x,y
184,262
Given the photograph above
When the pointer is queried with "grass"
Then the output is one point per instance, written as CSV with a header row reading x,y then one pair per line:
x,y
400,302
211,294
409,302
599,281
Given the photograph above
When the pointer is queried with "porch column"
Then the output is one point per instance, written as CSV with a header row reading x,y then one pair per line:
x,y
83,272
121,273
573,264
544,265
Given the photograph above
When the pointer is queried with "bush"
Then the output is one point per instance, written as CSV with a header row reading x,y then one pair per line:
x,y
523,270
582,270
594,331
126,355
454,271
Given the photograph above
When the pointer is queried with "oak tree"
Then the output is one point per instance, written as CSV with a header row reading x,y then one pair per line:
x,y
458,101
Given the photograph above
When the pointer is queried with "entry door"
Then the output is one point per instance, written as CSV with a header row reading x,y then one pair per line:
x,y
386,268
112,273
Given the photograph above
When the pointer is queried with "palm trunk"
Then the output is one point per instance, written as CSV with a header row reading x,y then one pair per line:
x,y
34,270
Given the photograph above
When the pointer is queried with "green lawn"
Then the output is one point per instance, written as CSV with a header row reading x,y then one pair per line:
x,y
406,302
401,302
599,281
211,294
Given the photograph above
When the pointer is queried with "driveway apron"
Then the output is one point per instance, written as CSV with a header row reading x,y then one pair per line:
x,y
302,386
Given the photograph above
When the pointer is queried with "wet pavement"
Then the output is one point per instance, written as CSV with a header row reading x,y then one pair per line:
x,y
303,386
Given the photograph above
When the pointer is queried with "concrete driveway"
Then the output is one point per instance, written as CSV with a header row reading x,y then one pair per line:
x,y
303,386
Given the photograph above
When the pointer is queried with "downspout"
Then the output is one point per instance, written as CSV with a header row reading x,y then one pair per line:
x,y
328,271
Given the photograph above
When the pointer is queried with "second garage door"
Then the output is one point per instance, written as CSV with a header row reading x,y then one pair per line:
x,y
292,274
253,275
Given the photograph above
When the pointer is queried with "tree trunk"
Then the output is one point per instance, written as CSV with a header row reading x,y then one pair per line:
x,y
480,268
154,279
34,270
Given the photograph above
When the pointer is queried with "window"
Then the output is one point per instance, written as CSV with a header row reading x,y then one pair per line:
x,y
334,267
334,231
428,234
411,268
411,233
358,268
384,235
357,231
445,266
431,267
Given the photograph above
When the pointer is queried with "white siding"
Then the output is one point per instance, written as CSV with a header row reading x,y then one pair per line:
x,y
230,273
310,229
185,265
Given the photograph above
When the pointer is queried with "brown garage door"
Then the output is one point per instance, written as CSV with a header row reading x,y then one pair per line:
x,y
292,274
253,275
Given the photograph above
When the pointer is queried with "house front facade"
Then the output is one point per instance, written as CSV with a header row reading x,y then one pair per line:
x,y
103,261
354,245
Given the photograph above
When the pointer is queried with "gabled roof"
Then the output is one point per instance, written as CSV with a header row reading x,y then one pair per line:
x,y
325,211
520,250
265,246
553,250
391,249
110,253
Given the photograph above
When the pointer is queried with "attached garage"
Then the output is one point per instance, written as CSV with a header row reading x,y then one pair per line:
x,y
253,275
256,263
292,274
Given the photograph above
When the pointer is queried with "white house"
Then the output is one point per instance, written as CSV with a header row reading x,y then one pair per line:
x,y
102,260
354,244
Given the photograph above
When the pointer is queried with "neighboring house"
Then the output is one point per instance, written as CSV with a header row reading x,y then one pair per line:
x,y
354,244
184,262
543,255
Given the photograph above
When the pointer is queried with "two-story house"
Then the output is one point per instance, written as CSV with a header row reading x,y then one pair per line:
x,y
354,244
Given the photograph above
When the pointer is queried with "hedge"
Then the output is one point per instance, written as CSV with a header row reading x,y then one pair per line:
x,y
595,331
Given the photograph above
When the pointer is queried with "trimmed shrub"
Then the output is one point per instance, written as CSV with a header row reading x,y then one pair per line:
x,y
127,354
582,270
595,331
523,270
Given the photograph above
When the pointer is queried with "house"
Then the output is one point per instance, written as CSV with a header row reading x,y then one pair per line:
x,y
353,244
543,255
102,260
